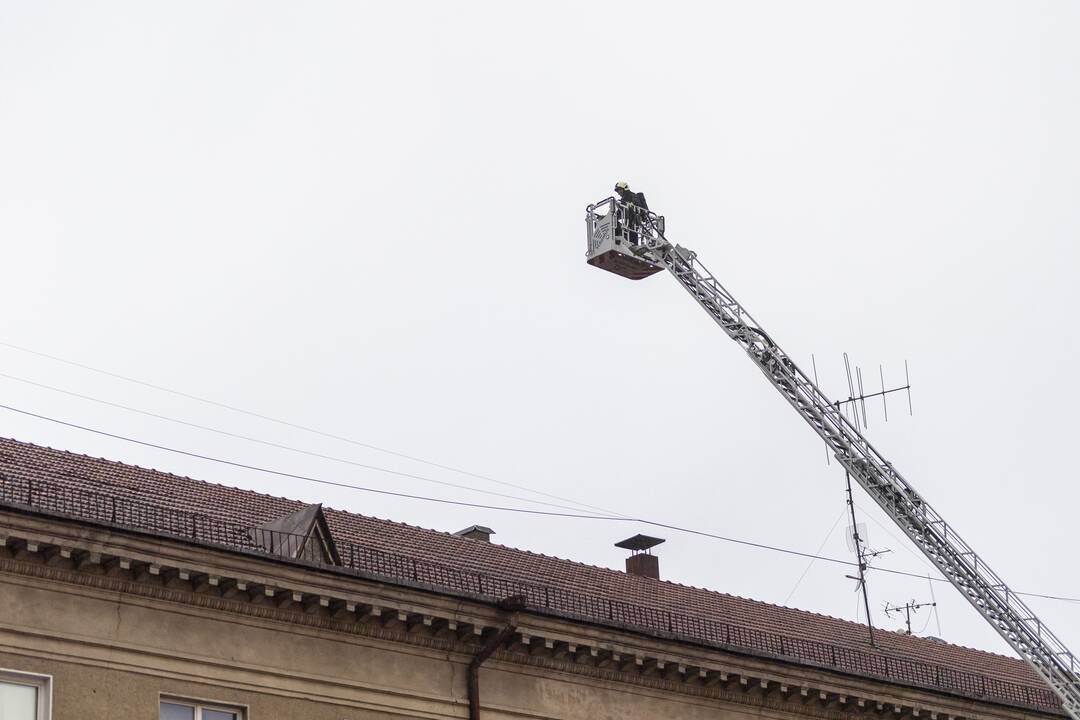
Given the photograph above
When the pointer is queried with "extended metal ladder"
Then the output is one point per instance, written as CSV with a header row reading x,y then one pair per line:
x,y
968,572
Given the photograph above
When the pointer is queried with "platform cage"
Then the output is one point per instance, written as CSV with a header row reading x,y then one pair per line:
x,y
619,233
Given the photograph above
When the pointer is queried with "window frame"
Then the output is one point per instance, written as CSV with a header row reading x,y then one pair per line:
x,y
198,704
42,683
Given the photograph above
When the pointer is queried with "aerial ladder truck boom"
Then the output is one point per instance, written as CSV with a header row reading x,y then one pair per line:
x,y
629,241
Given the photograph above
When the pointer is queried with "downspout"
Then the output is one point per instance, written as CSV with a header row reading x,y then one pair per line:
x,y
496,641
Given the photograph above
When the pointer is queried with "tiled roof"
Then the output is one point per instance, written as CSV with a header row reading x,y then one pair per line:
x,y
23,462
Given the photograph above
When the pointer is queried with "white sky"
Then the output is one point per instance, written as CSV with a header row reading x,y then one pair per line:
x,y
368,218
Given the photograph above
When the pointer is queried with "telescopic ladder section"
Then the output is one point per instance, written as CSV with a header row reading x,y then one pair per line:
x,y
969,573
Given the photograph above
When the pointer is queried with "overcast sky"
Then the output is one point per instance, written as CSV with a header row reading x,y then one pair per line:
x,y
368,219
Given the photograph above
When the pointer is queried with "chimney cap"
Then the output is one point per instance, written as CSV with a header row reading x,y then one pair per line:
x,y
476,532
639,543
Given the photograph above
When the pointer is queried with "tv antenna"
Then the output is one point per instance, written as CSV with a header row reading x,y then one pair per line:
x,y
907,609
854,407
855,411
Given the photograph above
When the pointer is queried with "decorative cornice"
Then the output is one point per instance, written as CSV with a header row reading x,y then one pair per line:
x,y
78,561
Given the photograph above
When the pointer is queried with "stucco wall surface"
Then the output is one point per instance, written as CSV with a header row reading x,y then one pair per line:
x,y
112,657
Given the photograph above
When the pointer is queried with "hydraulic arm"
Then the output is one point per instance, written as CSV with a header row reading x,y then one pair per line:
x,y
630,241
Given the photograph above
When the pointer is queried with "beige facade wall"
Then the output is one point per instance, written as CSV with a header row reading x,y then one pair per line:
x,y
119,620
111,656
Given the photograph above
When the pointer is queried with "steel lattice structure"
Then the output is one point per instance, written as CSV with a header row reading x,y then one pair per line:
x,y
630,241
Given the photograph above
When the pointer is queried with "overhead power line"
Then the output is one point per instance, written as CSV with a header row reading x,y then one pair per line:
x,y
295,476
296,426
930,565
526,511
280,446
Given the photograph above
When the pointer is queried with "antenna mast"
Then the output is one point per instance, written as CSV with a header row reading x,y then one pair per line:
x,y
861,559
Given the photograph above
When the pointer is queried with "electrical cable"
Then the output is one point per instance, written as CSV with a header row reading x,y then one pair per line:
x,y
909,551
927,623
279,446
818,552
526,511
937,616
306,478
928,564
294,476
295,426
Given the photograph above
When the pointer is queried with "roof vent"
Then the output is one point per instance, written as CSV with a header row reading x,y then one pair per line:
x,y
641,561
476,532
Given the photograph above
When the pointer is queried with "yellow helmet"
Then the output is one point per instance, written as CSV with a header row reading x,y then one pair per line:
x,y
622,185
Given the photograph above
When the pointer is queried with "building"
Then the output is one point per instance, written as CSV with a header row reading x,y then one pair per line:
x,y
131,593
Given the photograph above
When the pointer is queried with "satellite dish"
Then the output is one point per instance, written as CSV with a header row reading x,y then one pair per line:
x,y
859,528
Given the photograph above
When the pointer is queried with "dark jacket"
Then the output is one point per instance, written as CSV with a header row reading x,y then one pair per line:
x,y
633,198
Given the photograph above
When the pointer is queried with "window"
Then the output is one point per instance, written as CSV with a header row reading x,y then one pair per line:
x,y
191,710
24,696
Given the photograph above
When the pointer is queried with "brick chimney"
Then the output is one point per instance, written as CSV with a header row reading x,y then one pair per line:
x,y
641,561
477,532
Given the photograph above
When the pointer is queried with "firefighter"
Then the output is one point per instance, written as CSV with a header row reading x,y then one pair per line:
x,y
630,197
636,207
